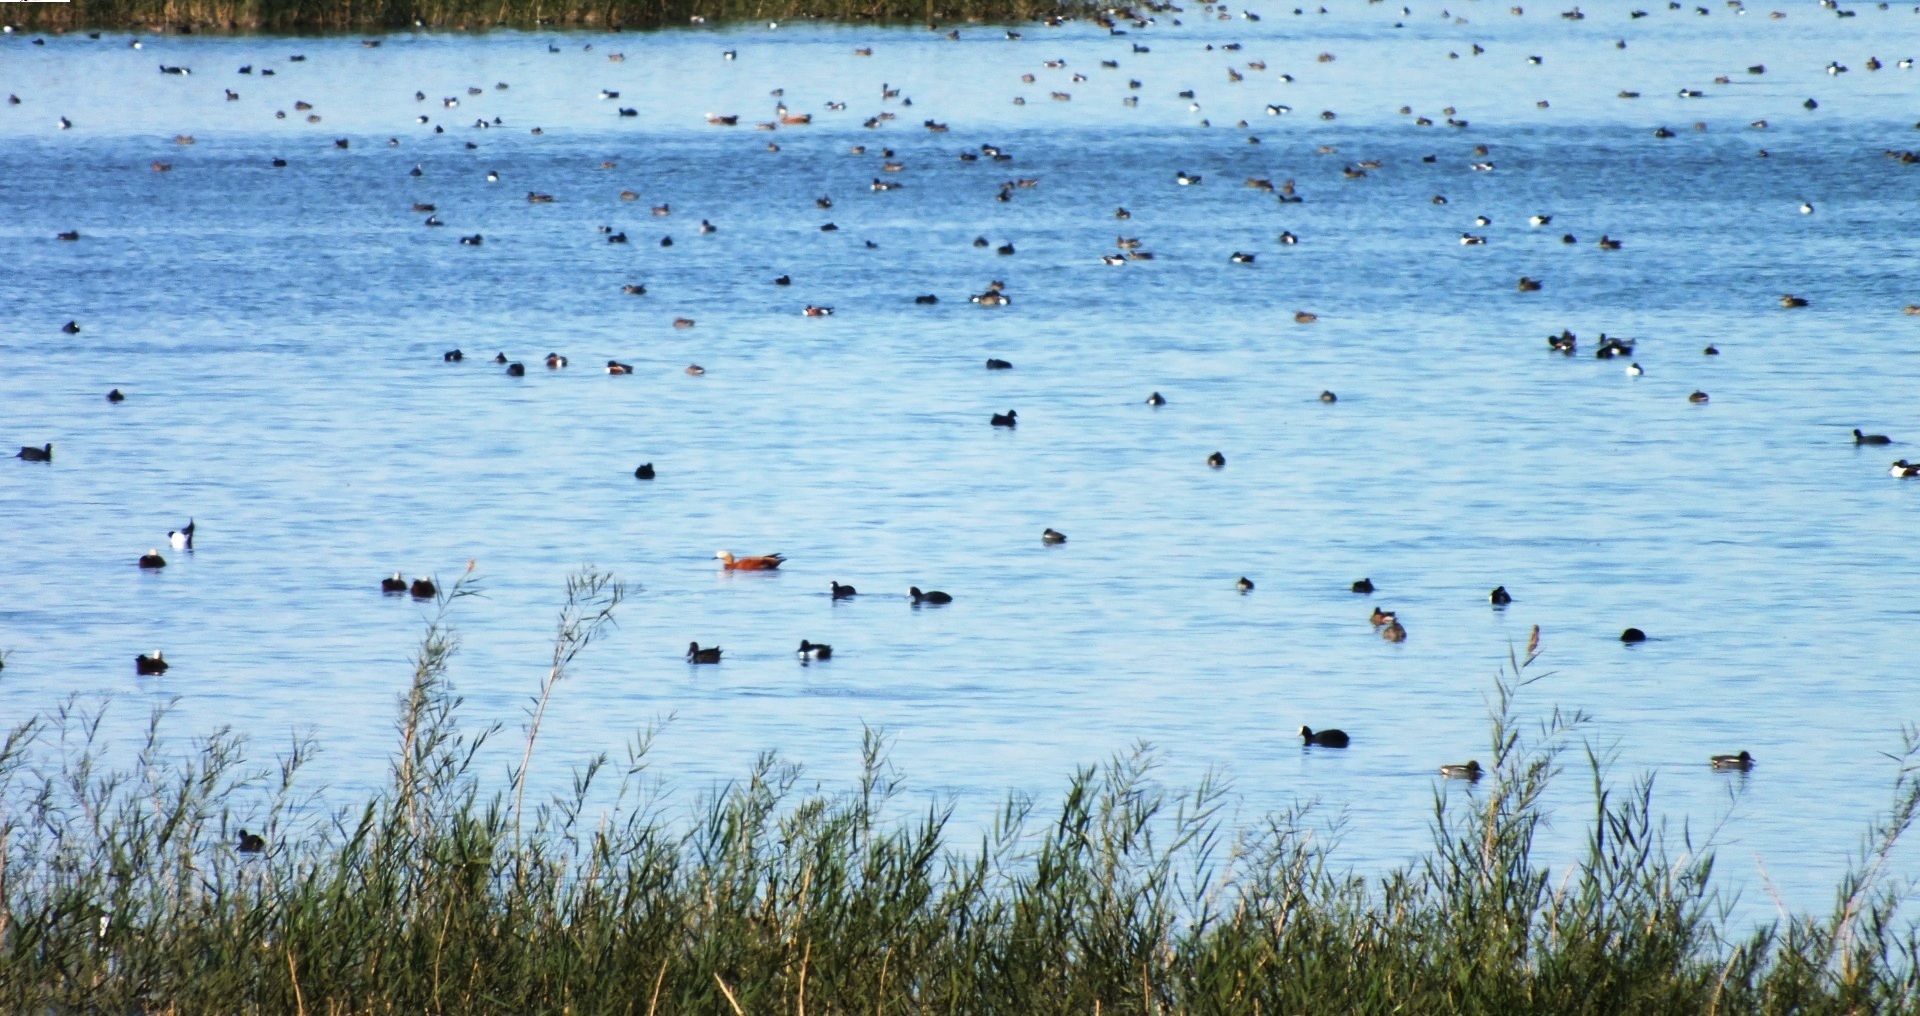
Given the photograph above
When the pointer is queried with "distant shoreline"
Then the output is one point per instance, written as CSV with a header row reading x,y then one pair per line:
x,y
289,17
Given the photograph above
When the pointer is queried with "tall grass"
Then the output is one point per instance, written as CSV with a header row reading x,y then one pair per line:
x,y
386,15
124,892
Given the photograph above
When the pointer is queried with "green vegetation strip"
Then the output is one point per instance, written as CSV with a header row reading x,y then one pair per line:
x,y
126,890
289,16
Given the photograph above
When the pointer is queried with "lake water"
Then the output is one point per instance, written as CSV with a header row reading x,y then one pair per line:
x,y
278,334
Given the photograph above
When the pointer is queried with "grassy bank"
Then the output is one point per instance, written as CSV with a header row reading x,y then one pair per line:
x,y
125,892
294,16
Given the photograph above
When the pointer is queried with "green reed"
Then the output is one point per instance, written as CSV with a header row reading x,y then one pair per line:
x,y
472,15
124,890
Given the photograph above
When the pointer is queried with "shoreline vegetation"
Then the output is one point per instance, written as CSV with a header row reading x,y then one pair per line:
x,y
277,17
135,889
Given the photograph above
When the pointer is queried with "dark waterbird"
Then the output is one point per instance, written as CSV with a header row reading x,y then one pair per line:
x,y
1325,738
999,365
1633,635
1217,460
644,472
453,356
1245,584
115,396
423,589
516,370
1742,762
695,654
1363,586
44,453
841,592
150,666
931,597
251,843
1470,772
71,328
393,584
151,560
814,651
1051,535
1870,439
1499,597
1006,419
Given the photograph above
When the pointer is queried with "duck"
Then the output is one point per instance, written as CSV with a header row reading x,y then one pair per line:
x,y
152,560
1565,342
841,592
1006,419
1051,535
182,538
1528,284
1245,585
1363,586
1239,258
44,453
1610,348
1540,220
1806,208
423,589
1608,243
1328,397
1904,469
1394,632
1156,399
393,584
1186,179
1288,238
1305,317
1499,597
1380,617
993,364
811,311
815,651
644,471
251,843
935,596
1470,772
1741,762
695,654
1872,439
1635,370
1633,635
767,562
1790,301
1471,240
555,361
1324,738
1217,460
516,370
1698,397
150,666
116,396
634,288
1710,351
616,367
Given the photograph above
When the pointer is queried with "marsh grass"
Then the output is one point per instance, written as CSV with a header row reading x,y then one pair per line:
x,y
123,891
282,16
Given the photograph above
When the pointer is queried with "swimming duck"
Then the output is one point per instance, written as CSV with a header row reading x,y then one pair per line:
x,y
695,370
999,365
1470,772
71,328
1499,597
811,311
1156,399
1789,300
251,843
1608,243
43,453
1394,632
182,538
1245,584
616,367
1528,284
634,289
115,396
1380,617
1470,240
930,597
1540,220
815,651
152,559
1185,179
767,562
1052,536
1634,370
1305,317
1633,635
1610,348
516,370
991,298
1288,238
1806,208
1006,419
472,241
150,666
1113,260
1710,351
1325,738
1741,762
683,322
1241,259
1329,397
841,592
555,361
695,654
1904,469
423,589
1366,586
1697,398
644,471
393,584
1217,460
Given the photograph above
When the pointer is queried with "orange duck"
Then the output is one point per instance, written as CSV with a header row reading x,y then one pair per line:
x,y
767,563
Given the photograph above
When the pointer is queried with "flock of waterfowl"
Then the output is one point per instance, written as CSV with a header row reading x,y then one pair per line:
x,y
1386,623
